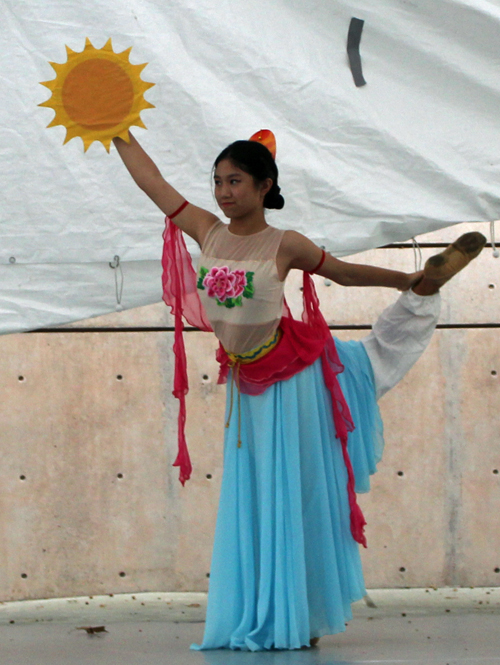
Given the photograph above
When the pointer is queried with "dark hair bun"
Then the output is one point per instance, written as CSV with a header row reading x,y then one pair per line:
x,y
273,199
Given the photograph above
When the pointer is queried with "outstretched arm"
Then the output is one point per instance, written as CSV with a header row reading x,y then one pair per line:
x,y
193,220
297,251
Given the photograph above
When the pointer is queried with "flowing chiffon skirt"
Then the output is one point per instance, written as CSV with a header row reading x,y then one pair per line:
x,y
285,567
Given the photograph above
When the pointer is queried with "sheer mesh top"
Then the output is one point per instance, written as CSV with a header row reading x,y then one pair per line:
x,y
239,286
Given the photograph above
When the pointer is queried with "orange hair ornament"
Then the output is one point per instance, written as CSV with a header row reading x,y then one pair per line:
x,y
267,138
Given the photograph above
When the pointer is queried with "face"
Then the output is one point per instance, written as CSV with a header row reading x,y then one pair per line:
x,y
236,192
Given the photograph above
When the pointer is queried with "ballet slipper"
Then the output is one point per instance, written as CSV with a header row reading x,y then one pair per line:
x,y
442,267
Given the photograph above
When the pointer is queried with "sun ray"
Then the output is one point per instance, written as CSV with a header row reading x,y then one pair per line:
x,y
97,94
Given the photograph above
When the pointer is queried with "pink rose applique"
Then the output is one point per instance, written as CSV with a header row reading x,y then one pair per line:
x,y
222,283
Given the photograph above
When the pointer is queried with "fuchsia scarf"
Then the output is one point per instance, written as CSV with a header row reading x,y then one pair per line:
x,y
302,343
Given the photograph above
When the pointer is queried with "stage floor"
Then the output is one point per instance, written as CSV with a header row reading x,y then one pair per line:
x,y
414,626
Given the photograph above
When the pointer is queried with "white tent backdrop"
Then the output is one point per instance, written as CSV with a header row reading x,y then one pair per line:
x,y
416,149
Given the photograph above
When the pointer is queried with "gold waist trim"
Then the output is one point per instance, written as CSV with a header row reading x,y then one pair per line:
x,y
258,353
238,359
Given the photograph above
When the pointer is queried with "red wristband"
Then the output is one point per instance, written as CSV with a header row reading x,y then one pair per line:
x,y
180,209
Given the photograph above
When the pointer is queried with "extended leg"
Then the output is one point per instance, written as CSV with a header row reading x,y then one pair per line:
x,y
400,336
403,330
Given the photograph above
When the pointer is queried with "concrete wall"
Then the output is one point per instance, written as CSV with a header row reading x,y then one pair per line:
x,y
89,501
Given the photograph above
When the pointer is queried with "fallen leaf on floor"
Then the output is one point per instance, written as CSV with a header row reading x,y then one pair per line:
x,y
92,630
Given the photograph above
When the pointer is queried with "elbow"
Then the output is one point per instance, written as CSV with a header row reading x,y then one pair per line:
x,y
143,184
149,182
343,280
349,281
338,278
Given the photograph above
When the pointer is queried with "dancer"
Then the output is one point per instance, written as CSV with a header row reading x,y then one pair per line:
x,y
303,430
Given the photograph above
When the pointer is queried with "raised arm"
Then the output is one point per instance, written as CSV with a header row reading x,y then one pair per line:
x,y
193,220
297,251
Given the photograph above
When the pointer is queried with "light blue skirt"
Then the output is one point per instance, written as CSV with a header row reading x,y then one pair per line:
x,y
285,566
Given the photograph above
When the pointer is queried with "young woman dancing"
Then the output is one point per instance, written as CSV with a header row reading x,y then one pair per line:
x,y
303,430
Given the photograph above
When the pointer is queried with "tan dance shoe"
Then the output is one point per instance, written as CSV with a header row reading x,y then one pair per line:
x,y
442,267
313,642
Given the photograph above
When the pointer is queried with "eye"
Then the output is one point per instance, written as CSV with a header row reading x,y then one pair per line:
x,y
234,180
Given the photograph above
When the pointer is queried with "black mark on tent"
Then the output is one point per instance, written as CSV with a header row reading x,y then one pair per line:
x,y
353,41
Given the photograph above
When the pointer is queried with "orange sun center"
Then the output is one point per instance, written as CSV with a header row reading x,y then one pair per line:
x,y
97,94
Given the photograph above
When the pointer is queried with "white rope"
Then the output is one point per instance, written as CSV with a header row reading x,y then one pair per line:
x,y
117,267
417,254
496,253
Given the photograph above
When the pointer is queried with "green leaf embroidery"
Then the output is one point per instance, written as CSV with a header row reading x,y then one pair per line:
x,y
249,289
203,274
230,302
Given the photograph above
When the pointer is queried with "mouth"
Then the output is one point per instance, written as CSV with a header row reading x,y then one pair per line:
x,y
227,204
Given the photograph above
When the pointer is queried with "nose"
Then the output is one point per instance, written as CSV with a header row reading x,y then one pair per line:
x,y
224,190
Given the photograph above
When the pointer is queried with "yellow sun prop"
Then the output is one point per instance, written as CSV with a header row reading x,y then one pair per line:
x,y
97,94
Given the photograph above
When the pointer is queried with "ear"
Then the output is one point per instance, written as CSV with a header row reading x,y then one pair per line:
x,y
266,186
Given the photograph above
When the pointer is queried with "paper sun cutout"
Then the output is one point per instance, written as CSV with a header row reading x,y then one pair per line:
x,y
97,94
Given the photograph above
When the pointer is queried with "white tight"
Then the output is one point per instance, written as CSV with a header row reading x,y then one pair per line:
x,y
400,336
